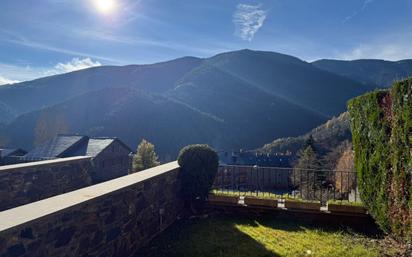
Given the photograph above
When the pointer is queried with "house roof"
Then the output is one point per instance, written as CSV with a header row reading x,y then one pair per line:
x,y
5,152
93,147
55,147
70,145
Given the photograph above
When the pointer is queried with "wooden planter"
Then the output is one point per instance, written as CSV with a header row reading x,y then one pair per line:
x,y
346,208
300,205
223,199
254,201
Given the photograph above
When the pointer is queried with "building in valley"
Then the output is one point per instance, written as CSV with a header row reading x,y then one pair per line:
x,y
11,156
111,157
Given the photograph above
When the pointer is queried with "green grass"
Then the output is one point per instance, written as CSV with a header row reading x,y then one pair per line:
x,y
261,237
263,195
345,202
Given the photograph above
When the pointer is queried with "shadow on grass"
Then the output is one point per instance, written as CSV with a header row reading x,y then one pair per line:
x,y
217,237
242,236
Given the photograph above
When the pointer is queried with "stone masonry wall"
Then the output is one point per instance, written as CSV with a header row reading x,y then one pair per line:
x,y
29,182
114,218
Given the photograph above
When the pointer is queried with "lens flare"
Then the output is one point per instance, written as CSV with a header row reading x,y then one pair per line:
x,y
105,6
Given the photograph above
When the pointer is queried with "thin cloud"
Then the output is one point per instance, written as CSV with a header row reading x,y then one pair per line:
x,y
11,37
356,12
385,51
21,73
366,3
74,65
16,74
248,19
5,81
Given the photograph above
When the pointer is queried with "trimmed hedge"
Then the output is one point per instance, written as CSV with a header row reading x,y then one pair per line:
x,y
370,135
199,164
401,146
381,124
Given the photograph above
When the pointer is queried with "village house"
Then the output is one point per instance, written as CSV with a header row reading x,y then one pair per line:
x,y
11,156
110,156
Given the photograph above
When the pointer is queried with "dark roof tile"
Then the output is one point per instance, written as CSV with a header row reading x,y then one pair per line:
x,y
70,145
54,148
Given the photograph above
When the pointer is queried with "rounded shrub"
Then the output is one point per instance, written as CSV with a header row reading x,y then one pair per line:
x,y
199,164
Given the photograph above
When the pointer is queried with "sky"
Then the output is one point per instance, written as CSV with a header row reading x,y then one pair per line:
x,y
46,37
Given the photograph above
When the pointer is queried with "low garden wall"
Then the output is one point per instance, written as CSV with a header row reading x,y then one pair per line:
x,y
114,218
29,182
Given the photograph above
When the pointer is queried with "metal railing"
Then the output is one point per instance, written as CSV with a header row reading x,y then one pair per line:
x,y
306,184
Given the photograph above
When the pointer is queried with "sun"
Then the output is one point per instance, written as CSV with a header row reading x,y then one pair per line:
x,y
105,6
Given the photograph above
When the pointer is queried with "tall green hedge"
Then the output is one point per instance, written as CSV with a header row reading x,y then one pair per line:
x,y
401,142
381,124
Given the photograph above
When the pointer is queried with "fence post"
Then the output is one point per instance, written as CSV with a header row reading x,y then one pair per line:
x,y
257,178
356,186
334,185
341,184
348,187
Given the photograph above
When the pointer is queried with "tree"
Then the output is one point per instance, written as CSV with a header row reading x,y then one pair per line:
x,y
330,159
308,159
145,157
310,142
49,125
306,174
345,178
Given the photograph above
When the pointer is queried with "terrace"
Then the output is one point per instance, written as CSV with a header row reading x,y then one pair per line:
x,y
247,214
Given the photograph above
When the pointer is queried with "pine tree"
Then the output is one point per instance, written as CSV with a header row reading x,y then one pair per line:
x,y
306,174
308,159
145,157
309,142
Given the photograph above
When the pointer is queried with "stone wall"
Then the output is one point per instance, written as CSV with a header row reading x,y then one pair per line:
x,y
29,182
114,218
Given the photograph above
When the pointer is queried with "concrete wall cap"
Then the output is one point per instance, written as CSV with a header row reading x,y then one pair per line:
x,y
26,213
40,163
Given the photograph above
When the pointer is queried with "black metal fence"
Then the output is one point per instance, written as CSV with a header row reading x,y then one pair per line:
x,y
307,184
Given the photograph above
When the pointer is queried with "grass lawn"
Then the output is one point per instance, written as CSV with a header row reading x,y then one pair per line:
x,y
258,237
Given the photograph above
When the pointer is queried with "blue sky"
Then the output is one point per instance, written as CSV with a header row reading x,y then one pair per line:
x,y
46,37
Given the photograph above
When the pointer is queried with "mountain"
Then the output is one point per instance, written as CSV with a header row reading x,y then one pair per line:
x,y
28,96
119,112
239,99
278,75
370,72
327,137
265,94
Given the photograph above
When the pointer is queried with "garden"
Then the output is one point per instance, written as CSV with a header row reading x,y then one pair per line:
x,y
229,236
381,126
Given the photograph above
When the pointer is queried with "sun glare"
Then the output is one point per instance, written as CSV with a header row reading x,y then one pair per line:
x,y
105,6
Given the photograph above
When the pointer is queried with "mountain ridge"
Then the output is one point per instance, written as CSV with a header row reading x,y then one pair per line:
x,y
242,99
54,89
381,73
